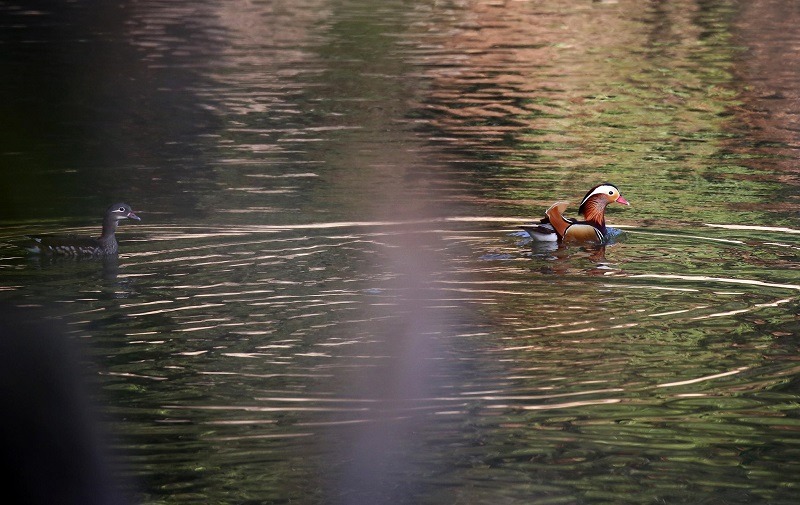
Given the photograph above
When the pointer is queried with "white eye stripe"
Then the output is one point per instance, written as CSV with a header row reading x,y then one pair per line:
x,y
604,189
601,190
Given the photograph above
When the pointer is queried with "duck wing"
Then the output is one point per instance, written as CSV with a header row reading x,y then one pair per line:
x,y
65,245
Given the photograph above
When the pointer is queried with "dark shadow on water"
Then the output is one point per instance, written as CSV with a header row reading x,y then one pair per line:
x,y
53,448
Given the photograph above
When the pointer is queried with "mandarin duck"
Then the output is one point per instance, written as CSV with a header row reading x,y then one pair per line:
x,y
555,227
106,244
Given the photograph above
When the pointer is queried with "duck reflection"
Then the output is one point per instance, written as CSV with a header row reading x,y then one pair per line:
x,y
109,264
560,259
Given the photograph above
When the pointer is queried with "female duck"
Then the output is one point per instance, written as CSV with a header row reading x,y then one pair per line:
x,y
106,244
556,227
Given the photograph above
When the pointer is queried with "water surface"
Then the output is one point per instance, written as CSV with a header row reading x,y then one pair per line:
x,y
328,299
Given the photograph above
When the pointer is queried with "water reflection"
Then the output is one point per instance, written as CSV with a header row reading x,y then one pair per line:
x,y
109,265
329,303
766,123
562,260
244,339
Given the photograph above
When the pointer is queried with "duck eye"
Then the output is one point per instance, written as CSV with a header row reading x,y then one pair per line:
x,y
611,192
122,209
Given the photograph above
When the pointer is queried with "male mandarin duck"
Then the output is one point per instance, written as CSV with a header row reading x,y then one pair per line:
x,y
106,244
556,227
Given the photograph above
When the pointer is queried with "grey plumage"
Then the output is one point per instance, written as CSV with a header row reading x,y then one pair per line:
x,y
105,244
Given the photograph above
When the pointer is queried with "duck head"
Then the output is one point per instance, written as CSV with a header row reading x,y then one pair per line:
x,y
593,205
120,211
115,214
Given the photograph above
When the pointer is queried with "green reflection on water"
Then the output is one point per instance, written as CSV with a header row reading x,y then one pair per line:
x,y
661,371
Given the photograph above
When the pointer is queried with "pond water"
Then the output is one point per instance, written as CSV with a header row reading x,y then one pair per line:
x,y
329,300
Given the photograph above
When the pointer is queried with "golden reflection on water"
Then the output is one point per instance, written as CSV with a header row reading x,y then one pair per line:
x,y
702,379
704,279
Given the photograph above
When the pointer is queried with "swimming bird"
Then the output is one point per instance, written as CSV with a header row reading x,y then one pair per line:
x,y
106,244
555,227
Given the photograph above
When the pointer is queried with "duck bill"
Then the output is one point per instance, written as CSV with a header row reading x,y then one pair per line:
x,y
131,215
622,200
